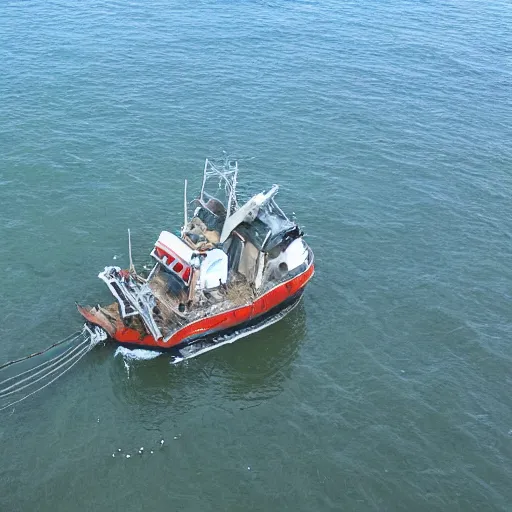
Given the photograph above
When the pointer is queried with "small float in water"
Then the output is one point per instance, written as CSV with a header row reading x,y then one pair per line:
x,y
233,269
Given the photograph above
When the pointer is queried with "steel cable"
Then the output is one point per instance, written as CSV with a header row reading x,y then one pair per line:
x,y
42,364
48,383
68,338
83,351
57,361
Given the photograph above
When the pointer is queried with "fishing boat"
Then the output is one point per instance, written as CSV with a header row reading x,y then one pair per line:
x,y
233,269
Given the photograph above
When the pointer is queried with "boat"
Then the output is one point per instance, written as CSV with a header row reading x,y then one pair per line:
x,y
234,268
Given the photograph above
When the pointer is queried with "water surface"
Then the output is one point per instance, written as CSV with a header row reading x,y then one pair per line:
x,y
388,126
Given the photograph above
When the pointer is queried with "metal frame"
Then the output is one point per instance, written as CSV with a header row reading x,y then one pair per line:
x,y
139,297
226,174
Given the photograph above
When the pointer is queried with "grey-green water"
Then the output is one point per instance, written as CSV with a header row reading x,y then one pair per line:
x,y
388,126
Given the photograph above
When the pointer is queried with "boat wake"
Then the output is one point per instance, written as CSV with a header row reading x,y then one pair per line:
x,y
136,354
132,355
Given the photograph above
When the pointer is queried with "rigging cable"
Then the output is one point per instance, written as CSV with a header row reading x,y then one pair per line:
x,y
40,365
47,384
90,338
59,362
68,338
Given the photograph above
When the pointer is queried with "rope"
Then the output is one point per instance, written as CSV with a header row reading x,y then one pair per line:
x,y
3,395
40,365
59,360
47,384
68,338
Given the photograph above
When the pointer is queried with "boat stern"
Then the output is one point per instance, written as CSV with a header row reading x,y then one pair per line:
x,y
95,315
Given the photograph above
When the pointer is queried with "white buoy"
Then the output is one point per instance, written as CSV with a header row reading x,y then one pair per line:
x,y
128,455
119,449
113,455
151,451
141,448
249,468
162,442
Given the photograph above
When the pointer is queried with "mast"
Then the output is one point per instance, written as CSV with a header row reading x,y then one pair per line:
x,y
185,206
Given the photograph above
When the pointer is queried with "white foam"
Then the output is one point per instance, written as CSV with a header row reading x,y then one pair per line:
x,y
137,354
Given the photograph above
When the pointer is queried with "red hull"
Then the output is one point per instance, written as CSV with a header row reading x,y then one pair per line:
x,y
222,321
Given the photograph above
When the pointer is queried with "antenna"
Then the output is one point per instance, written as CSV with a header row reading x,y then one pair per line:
x,y
132,268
